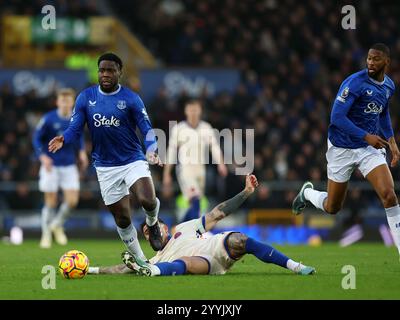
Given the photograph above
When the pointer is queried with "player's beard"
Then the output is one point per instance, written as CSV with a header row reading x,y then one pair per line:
x,y
376,74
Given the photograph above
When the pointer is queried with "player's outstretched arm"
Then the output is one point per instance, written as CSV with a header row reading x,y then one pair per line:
x,y
116,269
227,207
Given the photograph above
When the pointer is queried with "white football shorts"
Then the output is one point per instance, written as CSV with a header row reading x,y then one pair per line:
x,y
116,181
184,244
64,177
342,162
191,178
220,261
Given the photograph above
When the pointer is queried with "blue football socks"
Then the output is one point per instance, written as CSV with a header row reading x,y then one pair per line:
x,y
266,253
177,267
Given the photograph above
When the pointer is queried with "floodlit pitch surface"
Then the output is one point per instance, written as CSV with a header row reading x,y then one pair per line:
x,y
377,275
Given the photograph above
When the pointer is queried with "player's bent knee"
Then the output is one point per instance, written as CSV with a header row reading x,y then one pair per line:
x,y
242,238
51,204
332,207
148,204
72,203
332,210
71,198
237,244
188,263
50,199
196,265
122,221
389,198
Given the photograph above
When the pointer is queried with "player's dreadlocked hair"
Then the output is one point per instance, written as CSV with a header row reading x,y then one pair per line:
x,y
109,56
381,47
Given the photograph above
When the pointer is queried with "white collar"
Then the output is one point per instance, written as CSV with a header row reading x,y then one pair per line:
x,y
110,93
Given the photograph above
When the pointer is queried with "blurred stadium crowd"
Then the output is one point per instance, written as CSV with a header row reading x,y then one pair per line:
x,y
292,57
74,8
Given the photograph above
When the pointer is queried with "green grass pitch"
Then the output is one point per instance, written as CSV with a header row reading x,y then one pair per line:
x,y
377,275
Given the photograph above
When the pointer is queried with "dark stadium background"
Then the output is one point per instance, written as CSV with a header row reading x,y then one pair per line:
x,y
281,64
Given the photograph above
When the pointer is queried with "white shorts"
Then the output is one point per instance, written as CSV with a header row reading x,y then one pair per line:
x,y
342,161
191,178
218,257
116,181
212,249
64,177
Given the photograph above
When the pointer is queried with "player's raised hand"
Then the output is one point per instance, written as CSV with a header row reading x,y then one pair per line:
x,y
153,158
56,144
376,141
251,183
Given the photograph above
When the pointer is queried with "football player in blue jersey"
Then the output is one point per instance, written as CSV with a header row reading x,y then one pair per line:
x,y
112,112
58,170
359,133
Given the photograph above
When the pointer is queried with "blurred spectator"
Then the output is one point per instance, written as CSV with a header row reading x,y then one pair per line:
x,y
23,198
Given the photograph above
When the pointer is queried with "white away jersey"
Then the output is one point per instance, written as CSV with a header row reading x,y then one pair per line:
x,y
190,146
188,240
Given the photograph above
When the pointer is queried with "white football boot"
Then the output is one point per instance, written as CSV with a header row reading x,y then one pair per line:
x,y
45,241
59,235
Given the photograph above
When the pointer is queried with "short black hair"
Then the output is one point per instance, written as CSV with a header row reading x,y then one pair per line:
x,y
381,47
109,56
193,101
144,223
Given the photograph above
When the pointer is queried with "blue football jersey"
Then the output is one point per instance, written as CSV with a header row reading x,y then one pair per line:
x,y
51,125
361,107
112,119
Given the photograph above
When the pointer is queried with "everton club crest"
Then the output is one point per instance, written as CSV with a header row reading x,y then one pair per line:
x,y
121,104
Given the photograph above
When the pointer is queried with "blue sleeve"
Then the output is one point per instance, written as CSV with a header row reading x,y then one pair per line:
x,y
79,145
82,143
77,122
143,122
349,92
386,123
37,139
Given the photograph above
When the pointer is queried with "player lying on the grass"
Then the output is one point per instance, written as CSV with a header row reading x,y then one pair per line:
x,y
188,252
